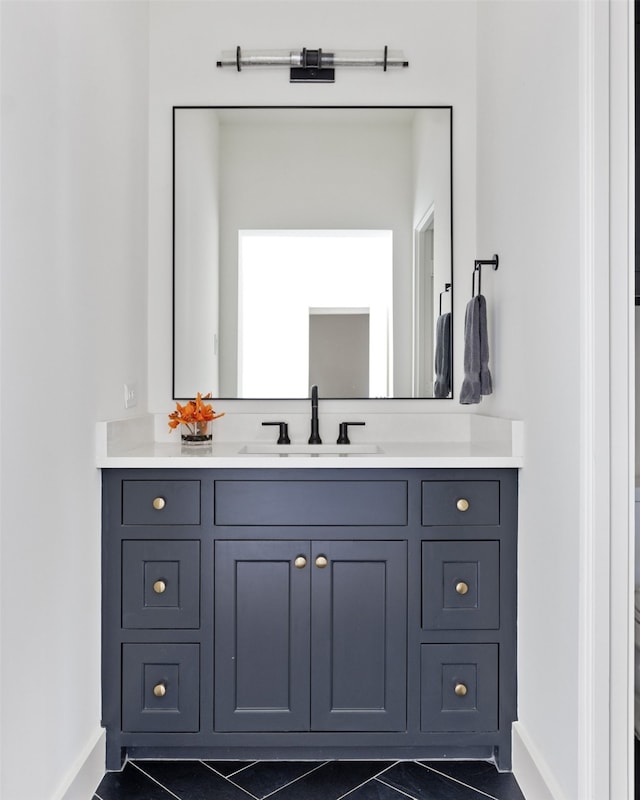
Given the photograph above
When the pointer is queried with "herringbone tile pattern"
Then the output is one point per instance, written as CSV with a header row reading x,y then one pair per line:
x,y
308,780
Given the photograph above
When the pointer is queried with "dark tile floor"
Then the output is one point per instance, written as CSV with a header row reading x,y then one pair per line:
x,y
308,780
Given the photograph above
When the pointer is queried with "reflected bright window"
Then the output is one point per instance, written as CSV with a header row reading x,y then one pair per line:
x,y
287,279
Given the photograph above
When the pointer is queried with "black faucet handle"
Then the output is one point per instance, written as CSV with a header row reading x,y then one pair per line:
x,y
284,432
343,438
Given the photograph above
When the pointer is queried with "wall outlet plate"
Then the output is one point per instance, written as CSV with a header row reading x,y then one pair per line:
x,y
130,395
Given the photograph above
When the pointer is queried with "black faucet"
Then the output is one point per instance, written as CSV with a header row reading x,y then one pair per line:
x,y
315,433
284,432
343,438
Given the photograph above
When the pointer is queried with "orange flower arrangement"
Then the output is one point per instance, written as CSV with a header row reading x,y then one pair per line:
x,y
194,415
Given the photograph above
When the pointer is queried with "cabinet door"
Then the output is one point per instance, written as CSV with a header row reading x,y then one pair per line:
x,y
460,585
459,690
261,636
359,622
460,502
160,687
160,584
160,502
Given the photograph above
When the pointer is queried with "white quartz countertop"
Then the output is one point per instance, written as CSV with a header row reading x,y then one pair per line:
x,y
465,441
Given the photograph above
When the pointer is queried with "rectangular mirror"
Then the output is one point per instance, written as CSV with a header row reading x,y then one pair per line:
x,y
313,245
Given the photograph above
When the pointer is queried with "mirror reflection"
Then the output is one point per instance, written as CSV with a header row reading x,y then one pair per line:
x,y
312,246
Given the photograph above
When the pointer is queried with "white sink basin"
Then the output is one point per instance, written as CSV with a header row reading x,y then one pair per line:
x,y
310,450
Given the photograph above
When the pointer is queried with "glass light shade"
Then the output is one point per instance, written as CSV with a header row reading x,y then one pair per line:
x,y
241,59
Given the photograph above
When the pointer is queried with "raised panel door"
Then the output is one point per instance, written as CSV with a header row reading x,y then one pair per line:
x,y
359,623
261,636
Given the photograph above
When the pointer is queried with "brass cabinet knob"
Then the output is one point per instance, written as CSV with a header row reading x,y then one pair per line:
x,y
462,587
159,690
159,503
460,689
321,562
462,504
159,587
300,562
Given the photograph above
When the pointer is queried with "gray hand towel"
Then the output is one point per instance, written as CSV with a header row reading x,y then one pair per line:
x,y
442,384
477,378
470,389
486,384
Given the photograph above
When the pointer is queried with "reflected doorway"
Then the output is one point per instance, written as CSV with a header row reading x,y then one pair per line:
x,y
339,351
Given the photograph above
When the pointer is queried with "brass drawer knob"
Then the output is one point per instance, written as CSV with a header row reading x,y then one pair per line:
x,y
159,690
462,587
159,587
462,504
460,689
300,562
321,562
159,503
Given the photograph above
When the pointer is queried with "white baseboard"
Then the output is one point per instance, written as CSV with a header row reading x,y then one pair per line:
x,y
530,769
86,773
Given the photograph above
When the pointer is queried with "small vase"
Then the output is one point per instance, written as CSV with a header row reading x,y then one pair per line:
x,y
197,434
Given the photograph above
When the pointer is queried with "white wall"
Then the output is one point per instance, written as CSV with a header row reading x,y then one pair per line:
x,y
437,37
528,203
73,330
74,194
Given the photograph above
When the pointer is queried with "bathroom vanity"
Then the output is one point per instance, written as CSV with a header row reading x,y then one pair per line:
x,y
305,612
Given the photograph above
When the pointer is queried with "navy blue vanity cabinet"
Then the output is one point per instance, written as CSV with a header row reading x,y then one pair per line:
x,y
309,613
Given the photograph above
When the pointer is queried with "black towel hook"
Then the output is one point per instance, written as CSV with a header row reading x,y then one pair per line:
x,y
477,267
447,287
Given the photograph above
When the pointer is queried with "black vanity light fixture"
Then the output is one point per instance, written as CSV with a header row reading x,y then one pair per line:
x,y
312,65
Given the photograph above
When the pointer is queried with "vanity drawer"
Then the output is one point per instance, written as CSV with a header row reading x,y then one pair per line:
x,y
460,585
344,502
160,687
161,502
160,584
460,503
459,687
